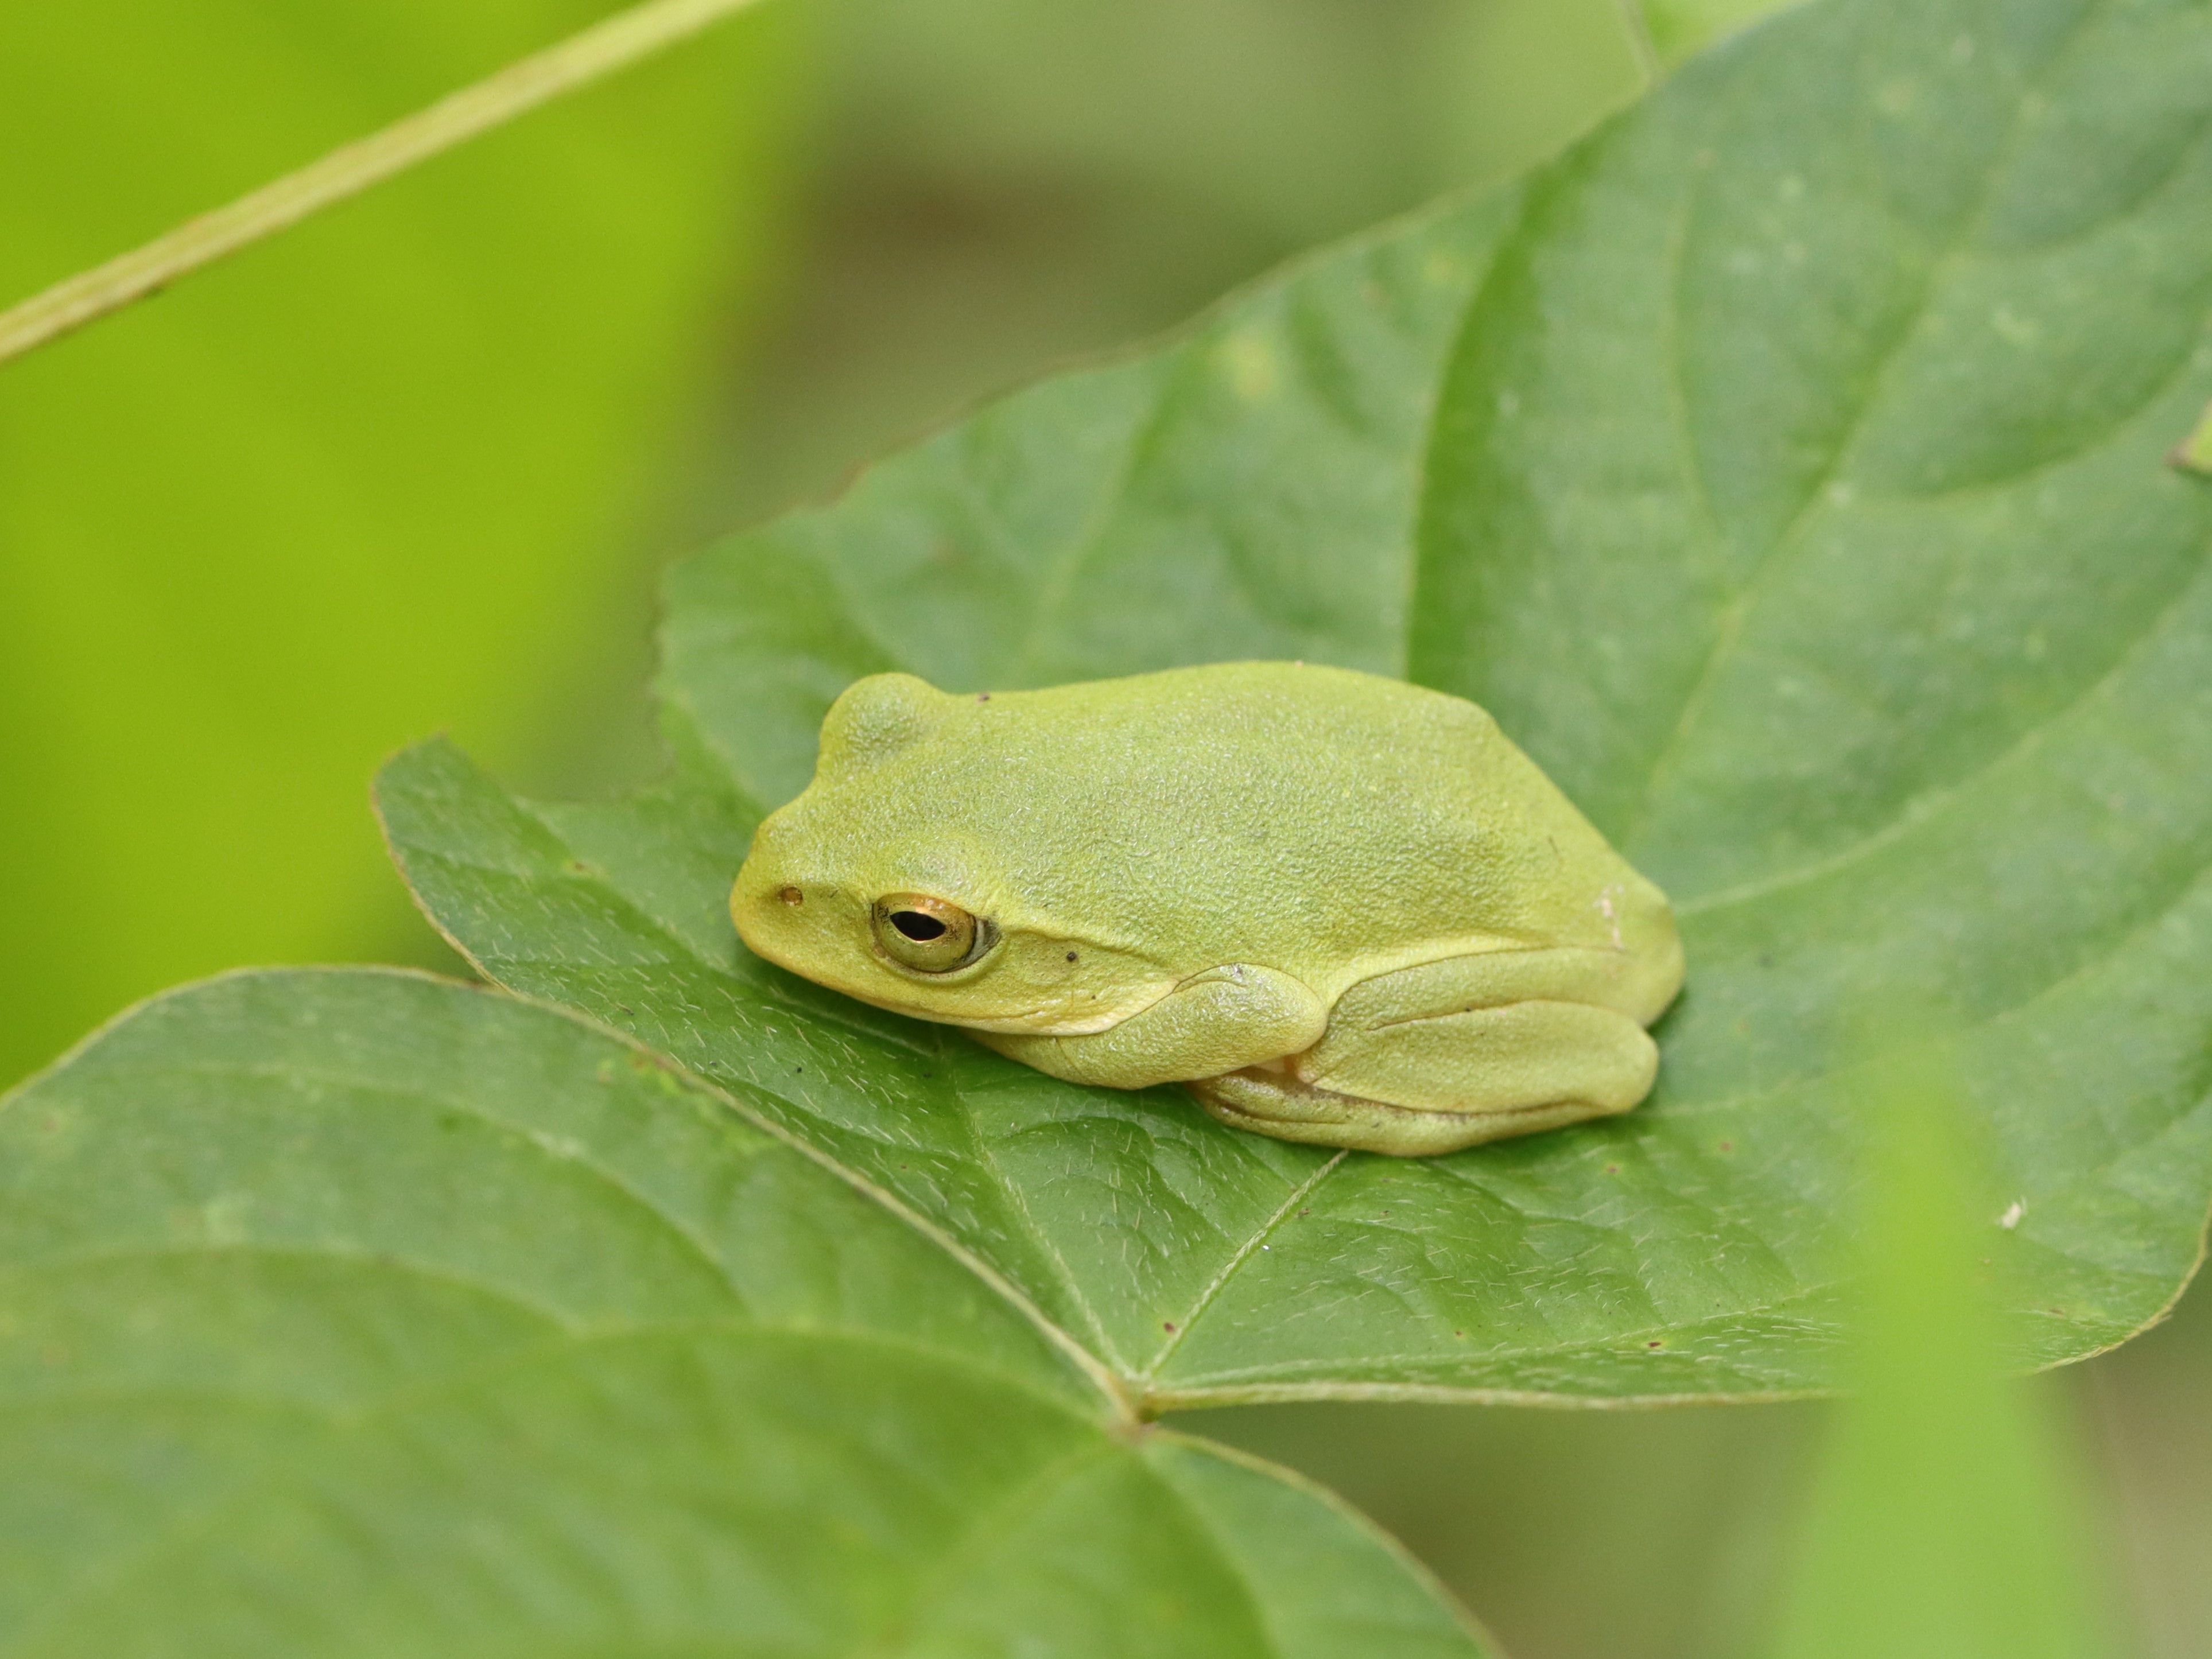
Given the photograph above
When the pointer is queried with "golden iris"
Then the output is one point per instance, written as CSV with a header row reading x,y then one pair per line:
x,y
930,935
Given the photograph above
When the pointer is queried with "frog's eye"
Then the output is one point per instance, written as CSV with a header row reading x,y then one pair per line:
x,y
929,934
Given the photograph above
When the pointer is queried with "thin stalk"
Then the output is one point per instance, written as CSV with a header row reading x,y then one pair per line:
x,y
584,57
1638,25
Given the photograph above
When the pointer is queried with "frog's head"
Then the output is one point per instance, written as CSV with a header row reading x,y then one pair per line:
x,y
893,880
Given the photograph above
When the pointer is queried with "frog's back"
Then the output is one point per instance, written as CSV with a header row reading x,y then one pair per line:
x,y
1292,815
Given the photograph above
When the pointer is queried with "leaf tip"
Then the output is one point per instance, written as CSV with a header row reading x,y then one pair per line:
x,y
2194,452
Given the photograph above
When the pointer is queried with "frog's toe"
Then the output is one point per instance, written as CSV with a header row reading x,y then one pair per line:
x,y
1272,1102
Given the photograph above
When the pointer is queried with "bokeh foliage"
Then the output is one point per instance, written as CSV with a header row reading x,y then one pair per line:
x,y
1677,28
377,477
1947,1519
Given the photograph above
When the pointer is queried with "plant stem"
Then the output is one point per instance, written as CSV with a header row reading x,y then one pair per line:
x,y
1638,26
584,57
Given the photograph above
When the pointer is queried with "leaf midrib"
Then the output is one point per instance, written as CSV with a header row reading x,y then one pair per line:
x,y
1946,257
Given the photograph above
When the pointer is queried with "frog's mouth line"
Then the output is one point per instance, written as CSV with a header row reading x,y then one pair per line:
x,y
1056,1019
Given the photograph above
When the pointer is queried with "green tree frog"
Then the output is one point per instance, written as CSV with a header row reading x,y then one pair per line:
x,y
1337,908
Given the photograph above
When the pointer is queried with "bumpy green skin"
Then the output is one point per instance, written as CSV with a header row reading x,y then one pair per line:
x,y
1342,909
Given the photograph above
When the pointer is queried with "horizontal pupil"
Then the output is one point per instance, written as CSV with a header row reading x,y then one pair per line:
x,y
917,927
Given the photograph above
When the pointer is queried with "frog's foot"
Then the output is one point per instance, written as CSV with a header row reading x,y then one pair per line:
x,y
1452,1054
1275,1103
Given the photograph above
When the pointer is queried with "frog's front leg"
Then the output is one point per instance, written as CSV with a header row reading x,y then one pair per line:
x,y
1452,1053
1221,1020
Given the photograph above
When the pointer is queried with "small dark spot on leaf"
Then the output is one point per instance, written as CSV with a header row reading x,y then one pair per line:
x,y
1727,1146
800,1069
791,895
1071,955
1612,1169
982,697
1305,1211
577,868
1459,1333
1655,1345
1168,1325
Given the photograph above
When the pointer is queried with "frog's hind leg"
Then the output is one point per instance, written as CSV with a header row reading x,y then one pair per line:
x,y
1454,1053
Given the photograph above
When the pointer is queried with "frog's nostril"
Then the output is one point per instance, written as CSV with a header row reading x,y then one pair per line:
x,y
917,927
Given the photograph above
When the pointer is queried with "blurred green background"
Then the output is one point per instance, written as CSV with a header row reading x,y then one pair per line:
x,y
413,467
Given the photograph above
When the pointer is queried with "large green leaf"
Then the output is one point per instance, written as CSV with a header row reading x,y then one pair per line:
x,y
1785,469
1941,1519
363,1313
